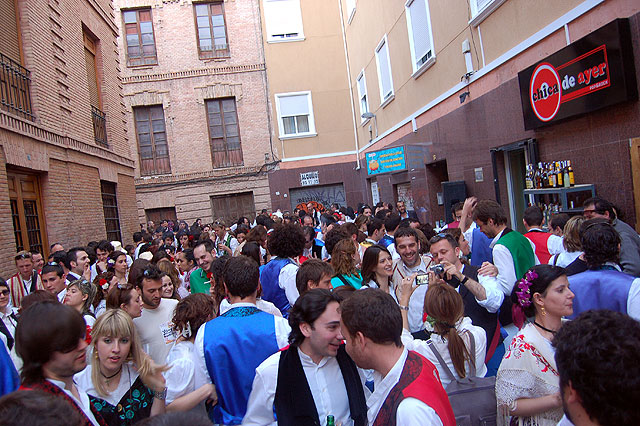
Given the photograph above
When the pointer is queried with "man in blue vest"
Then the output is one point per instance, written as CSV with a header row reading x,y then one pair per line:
x,y
231,346
603,285
278,277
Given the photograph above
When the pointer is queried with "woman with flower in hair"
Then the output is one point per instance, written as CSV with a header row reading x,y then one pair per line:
x,y
104,282
190,314
123,383
117,263
527,384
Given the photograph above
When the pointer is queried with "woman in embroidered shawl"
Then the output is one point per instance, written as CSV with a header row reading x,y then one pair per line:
x,y
527,384
122,381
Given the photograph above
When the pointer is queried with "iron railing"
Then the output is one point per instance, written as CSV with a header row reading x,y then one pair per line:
x,y
99,126
15,92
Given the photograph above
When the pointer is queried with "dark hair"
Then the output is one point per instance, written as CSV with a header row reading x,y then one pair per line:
x,y
382,213
309,232
242,229
72,256
600,205
373,225
159,255
286,241
52,267
307,309
489,209
168,234
373,313
558,220
331,238
391,223
136,269
209,245
591,353
251,249
600,242
113,256
3,283
545,275
218,267
312,270
59,257
454,208
406,232
150,272
193,311
343,292
37,297
105,245
137,237
37,408
188,254
532,216
45,328
444,236
406,223
426,229
370,262
241,276
258,234
119,295
445,305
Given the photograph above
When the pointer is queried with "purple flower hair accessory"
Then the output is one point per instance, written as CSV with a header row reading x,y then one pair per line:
x,y
524,295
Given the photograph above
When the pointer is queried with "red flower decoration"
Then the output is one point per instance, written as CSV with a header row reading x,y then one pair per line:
x,y
209,275
190,237
171,258
103,282
87,337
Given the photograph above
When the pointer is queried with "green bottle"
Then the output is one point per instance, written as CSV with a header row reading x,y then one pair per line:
x,y
331,421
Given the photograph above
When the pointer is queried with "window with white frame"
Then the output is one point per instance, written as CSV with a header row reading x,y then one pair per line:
x,y
351,9
283,19
295,114
384,70
480,9
420,35
362,95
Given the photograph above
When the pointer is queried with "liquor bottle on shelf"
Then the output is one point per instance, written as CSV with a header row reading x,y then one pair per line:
x,y
558,174
552,176
538,176
565,177
528,180
571,176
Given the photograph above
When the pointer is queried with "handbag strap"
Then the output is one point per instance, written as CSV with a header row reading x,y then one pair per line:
x,y
444,365
440,360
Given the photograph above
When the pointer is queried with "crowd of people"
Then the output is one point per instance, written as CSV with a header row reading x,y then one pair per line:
x,y
334,317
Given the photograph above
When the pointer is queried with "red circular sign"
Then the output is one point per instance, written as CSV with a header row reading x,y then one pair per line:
x,y
545,91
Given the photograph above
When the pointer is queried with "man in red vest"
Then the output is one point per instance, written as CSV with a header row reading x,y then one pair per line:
x,y
407,386
546,243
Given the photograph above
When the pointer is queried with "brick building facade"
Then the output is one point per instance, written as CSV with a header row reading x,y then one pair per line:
x,y
195,95
65,169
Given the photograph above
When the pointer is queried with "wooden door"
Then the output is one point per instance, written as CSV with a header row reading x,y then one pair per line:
x,y
231,207
26,212
158,215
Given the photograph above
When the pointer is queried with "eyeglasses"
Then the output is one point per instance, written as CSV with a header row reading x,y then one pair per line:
x,y
52,264
22,256
5,292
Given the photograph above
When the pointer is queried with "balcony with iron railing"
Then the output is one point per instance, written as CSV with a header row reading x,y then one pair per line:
x,y
99,126
15,92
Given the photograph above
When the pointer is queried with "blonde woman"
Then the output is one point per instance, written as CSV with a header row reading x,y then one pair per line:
x,y
122,381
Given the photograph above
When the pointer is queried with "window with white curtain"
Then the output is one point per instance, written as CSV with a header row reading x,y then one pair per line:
x,y
362,94
295,114
384,71
283,19
420,34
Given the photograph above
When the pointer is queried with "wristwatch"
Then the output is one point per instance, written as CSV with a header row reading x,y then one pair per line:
x,y
161,395
464,280
404,308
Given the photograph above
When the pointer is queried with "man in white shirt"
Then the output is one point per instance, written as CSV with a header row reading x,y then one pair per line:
x,y
230,347
54,281
407,389
411,262
314,377
225,242
154,325
50,340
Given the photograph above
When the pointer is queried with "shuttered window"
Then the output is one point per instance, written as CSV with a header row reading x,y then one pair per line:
x,y
283,20
92,72
140,41
152,140
384,70
362,94
224,133
420,37
10,39
211,30
110,208
295,114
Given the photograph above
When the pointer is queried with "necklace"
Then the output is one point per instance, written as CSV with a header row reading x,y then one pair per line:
x,y
108,378
544,328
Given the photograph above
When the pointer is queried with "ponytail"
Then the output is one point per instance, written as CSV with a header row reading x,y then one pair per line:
x,y
458,351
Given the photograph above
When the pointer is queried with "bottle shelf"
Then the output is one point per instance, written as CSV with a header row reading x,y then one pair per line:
x,y
561,190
